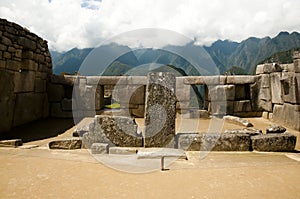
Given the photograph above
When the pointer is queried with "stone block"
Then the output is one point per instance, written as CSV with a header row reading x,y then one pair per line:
x,y
287,114
123,150
265,115
296,66
99,148
27,54
66,104
249,131
2,63
291,87
160,110
114,130
213,142
29,64
64,80
11,143
276,91
66,144
237,120
149,153
29,107
208,80
284,142
27,43
55,92
40,85
7,100
241,79
24,81
14,65
268,68
242,106
222,93
275,129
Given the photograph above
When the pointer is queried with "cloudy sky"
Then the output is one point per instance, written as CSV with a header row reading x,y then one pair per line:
x,y
85,23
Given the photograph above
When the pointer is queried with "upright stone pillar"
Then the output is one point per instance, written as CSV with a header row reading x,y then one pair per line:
x,y
160,111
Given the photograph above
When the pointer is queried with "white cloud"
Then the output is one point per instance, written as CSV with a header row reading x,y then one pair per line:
x,y
85,23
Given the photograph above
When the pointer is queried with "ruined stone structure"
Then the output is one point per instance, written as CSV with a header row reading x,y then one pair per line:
x,y
25,64
29,91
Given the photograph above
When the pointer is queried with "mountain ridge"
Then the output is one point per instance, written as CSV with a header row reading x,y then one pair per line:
x,y
226,54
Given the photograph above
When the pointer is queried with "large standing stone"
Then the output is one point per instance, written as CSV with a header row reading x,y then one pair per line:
x,y
114,130
160,110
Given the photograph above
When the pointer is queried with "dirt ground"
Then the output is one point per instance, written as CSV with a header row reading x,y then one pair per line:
x,y
43,173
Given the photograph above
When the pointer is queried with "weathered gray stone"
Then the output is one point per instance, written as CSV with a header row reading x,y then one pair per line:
x,y
27,43
61,79
291,85
123,150
160,110
28,64
99,148
148,153
114,130
240,79
284,142
66,144
265,115
268,68
276,92
275,129
208,80
24,81
238,120
288,114
296,66
249,131
213,142
11,143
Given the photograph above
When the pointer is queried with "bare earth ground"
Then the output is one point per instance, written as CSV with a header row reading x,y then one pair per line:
x,y
44,173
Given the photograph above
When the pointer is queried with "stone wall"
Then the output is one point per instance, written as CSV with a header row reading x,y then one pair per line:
x,y
279,92
25,64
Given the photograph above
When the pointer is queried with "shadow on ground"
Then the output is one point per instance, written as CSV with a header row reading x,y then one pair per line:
x,y
38,130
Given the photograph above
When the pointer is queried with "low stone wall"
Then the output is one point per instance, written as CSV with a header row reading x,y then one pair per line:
x,y
25,64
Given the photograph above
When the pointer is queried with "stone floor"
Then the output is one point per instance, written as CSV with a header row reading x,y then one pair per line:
x,y
43,173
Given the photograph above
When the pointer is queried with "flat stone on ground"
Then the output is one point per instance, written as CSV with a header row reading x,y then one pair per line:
x,y
66,144
275,129
284,142
160,152
99,148
238,120
123,150
11,143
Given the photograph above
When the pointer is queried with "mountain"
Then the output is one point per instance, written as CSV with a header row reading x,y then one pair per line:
x,y
282,57
70,61
250,52
229,57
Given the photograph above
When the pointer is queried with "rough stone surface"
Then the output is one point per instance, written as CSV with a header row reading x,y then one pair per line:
x,y
276,91
99,148
287,114
222,93
249,131
66,144
242,106
213,142
114,130
11,143
148,153
275,129
284,142
238,120
123,150
160,110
